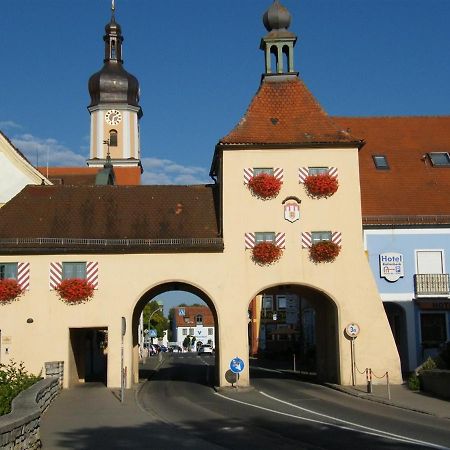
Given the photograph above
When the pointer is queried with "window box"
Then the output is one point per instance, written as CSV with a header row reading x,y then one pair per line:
x,y
324,251
75,290
10,290
321,185
265,186
266,253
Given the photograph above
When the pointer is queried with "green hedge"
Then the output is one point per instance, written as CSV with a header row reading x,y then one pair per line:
x,y
13,380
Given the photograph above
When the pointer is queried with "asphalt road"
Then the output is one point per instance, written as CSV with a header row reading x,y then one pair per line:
x,y
278,413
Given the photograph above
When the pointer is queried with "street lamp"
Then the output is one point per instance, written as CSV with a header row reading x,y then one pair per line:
x,y
159,308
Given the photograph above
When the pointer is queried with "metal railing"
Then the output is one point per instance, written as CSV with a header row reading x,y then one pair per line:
x,y
182,242
427,284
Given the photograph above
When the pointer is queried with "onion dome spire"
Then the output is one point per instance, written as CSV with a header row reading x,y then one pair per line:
x,y
113,84
279,41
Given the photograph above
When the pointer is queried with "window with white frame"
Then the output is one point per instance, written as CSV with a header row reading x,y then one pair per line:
x,y
8,271
281,302
260,170
191,331
318,236
264,236
184,331
73,270
199,319
210,331
317,170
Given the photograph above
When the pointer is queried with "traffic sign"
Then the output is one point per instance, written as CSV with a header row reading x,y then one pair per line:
x,y
152,333
237,365
352,329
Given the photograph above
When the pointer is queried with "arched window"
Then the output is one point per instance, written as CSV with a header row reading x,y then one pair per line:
x,y
113,49
199,319
113,138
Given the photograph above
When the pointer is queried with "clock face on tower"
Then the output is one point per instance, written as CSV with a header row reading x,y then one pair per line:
x,y
113,117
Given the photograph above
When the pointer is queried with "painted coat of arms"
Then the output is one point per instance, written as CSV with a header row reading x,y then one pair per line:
x,y
292,210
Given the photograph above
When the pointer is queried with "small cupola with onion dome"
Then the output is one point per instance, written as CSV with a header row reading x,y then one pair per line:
x,y
113,84
278,44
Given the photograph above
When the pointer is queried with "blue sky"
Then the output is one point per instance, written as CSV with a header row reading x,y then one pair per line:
x,y
199,64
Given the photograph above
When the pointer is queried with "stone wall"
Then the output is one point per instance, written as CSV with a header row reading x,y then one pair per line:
x,y
20,429
436,382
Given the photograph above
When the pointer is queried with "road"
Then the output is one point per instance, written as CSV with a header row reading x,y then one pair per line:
x,y
279,412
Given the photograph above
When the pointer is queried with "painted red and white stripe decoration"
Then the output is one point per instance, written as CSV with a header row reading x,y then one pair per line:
x,y
303,172
55,274
336,237
306,239
56,269
250,240
23,275
280,240
92,273
278,173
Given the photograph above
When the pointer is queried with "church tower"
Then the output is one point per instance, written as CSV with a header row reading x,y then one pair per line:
x,y
114,107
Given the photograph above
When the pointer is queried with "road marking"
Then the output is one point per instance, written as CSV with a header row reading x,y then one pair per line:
x,y
396,436
377,433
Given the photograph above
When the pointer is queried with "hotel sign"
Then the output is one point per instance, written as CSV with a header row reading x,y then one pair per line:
x,y
391,266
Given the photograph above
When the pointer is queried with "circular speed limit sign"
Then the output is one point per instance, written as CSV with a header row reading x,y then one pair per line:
x,y
352,329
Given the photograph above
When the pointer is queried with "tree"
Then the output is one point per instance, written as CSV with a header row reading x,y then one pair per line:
x,y
187,343
157,322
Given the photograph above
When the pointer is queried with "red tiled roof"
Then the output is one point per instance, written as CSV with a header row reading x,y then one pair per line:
x,y
111,212
124,176
188,320
411,187
285,112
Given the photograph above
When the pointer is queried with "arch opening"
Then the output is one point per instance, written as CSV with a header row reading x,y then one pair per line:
x,y
192,331
295,327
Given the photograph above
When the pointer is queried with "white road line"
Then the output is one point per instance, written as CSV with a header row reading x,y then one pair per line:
x,y
377,433
386,433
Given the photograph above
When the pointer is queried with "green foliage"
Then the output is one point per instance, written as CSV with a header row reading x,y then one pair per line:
x,y
429,364
414,382
158,322
13,380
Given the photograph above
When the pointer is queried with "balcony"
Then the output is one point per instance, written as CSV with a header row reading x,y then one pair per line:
x,y
431,284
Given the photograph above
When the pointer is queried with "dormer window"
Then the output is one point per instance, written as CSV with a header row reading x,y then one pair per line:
x,y
439,159
199,319
380,162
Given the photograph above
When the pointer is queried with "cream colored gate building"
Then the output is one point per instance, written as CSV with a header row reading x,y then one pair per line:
x,y
136,242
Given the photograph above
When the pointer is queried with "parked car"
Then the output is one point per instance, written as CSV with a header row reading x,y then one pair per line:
x,y
163,348
175,348
205,349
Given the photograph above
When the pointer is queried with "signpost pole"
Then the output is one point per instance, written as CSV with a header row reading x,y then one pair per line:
x,y
122,371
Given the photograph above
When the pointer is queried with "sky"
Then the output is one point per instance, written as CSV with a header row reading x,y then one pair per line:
x,y
199,64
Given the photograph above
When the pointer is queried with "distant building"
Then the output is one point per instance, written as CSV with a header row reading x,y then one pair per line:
x,y
195,321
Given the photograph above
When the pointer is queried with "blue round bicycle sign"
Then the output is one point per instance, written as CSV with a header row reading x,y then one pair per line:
x,y
237,365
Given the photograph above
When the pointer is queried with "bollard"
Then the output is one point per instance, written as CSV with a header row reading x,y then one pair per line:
x,y
294,362
388,386
369,380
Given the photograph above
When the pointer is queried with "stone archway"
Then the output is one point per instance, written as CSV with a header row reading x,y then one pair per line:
x,y
288,320
161,289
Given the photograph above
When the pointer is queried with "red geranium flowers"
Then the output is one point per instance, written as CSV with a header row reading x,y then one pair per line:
x,y
75,290
9,290
324,251
265,253
322,185
264,186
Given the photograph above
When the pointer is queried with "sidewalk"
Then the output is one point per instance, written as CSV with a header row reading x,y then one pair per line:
x,y
91,416
401,396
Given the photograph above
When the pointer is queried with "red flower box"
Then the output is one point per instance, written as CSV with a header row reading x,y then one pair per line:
x,y
10,290
75,290
264,186
266,253
322,185
324,251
